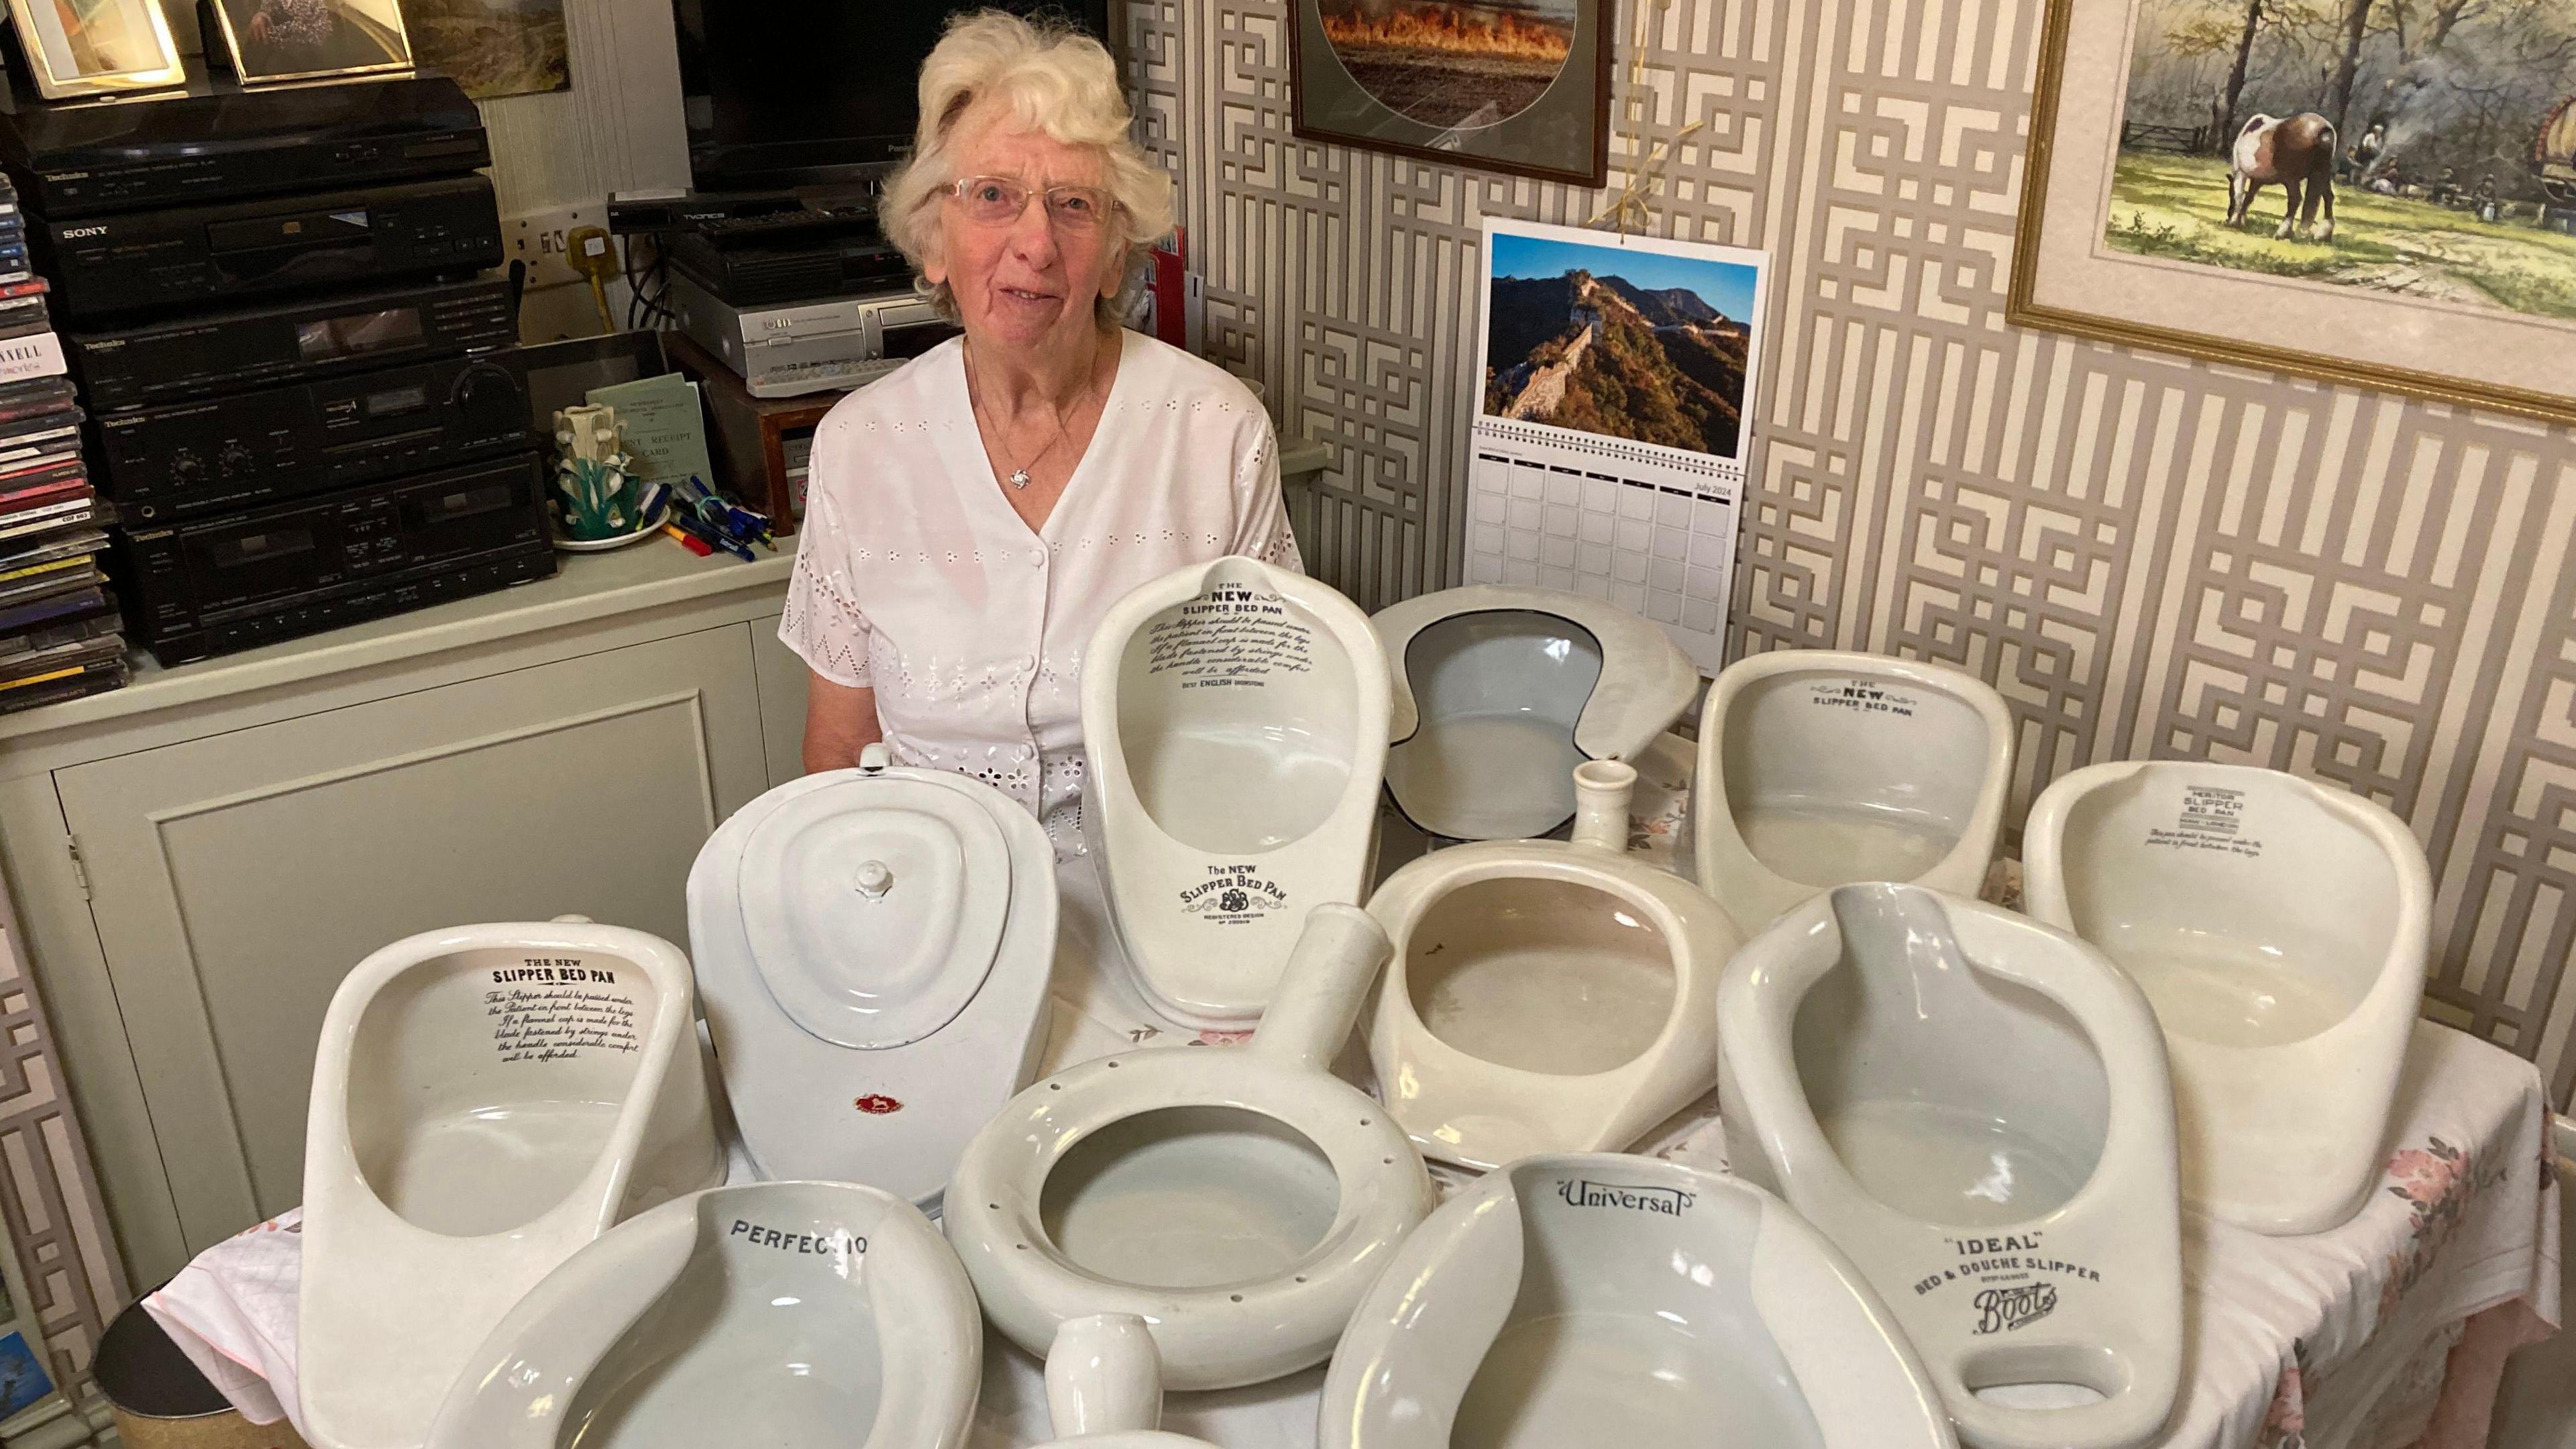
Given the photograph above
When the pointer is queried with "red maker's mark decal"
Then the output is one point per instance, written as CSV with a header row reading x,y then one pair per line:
x,y
877,1104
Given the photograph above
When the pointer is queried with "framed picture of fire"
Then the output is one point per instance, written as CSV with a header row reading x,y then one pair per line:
x,y
1520,86
2388,207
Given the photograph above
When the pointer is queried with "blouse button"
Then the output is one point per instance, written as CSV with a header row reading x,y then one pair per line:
x,y
1027,663
1038,557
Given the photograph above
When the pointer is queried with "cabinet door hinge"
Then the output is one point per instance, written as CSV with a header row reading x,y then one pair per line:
x,y
80,872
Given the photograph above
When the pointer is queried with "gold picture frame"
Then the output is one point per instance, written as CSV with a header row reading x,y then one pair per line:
x,y
274,42
96,47
2070,280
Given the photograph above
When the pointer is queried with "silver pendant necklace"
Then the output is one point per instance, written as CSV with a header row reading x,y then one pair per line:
x,y
1018,477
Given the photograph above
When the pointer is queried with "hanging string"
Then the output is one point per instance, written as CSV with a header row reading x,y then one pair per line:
x,y
1633,203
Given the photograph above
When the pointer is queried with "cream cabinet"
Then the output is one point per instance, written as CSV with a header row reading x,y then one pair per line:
x,y
197,864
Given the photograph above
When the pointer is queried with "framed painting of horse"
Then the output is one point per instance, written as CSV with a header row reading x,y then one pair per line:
x,y
2375,192
1520,86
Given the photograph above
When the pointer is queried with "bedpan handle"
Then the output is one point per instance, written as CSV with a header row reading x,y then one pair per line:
x,y
1319,995
1601,792
1104,1376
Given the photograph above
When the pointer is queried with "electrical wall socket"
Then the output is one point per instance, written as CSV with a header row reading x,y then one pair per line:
x,y
537,238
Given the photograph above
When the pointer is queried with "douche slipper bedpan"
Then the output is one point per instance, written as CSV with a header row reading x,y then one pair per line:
x,y
1974,1107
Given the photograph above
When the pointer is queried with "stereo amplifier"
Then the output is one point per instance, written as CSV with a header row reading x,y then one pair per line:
x,y
190,459
222,584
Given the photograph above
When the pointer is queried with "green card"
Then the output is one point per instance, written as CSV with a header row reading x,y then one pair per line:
x,y
662,426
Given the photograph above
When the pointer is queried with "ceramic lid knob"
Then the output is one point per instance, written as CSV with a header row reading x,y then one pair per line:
x,y
874,879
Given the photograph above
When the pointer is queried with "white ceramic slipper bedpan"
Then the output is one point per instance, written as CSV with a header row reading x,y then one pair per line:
x,y
2280,928
872,953
779,1314
1239,1199
1974,1107
1104,1383
1596,1299
1546,996
1499,693
1234,723
486,1101
1819,769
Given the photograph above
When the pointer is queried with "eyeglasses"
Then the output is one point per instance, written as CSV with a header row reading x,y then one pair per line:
x,y
999,201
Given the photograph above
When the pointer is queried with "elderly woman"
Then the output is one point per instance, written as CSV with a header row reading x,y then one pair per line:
x,y
972,516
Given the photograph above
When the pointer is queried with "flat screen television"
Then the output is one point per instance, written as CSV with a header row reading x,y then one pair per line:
x,y
787,93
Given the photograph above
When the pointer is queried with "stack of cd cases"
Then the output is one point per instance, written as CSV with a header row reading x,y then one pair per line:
x,y
60,636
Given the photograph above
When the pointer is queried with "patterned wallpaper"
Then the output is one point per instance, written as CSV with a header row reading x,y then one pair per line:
x,y
2149,557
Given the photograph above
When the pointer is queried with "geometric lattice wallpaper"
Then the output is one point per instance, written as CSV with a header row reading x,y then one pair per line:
x,y
2147,556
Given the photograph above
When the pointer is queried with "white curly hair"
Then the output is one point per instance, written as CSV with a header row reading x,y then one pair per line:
x,y
1054,79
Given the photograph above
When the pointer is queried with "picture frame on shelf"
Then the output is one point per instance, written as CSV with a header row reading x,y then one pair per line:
x,y
79,48
2208,179
1516,86
275,41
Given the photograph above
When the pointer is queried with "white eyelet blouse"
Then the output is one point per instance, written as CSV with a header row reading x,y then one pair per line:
x,y
914,577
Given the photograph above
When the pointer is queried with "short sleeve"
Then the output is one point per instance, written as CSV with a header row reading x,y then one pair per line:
x,y
823,622
1261,510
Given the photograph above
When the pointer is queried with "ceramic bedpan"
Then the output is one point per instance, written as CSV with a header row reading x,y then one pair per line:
x,y
1239,1199
872,950
791,1315
1499,693
2280,928
486,1101
1821,769
1974,1107
1601,1299
1546,996
1104,1382
1234,724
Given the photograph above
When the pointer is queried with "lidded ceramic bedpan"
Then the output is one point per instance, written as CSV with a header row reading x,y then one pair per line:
x,y
486,1101
1819,769
873,947
1234,728
1602,1299
779,1314
1546,996
1498,693
1974,1107
2280,928
1239,1199
1104,1382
